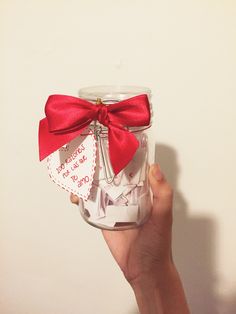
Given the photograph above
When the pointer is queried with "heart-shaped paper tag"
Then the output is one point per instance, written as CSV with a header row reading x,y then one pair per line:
x,y
72,167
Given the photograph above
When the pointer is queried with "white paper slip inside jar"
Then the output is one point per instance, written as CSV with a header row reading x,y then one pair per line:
x,y
93,204
122,213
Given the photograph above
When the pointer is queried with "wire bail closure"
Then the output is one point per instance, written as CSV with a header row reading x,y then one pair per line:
x,y
109,176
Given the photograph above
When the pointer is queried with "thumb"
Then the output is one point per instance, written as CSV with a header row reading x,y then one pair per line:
x,y
162,199
74,199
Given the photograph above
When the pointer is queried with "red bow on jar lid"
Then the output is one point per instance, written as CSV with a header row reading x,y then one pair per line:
x,y
67,117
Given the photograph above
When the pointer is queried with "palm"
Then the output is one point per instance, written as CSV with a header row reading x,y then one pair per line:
x,y
137,250
120,244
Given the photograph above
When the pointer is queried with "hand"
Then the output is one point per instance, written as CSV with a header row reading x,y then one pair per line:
x,y
142,251
147,249
144,254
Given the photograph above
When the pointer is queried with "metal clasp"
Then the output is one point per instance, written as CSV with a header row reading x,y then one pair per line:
x,y
109,176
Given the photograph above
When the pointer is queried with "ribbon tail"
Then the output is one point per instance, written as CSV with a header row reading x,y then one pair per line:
x,y
50,142
122,147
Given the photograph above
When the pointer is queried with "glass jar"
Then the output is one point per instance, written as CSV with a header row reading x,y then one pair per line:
x,y
122,201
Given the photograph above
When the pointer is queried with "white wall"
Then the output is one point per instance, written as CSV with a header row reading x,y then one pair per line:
x,y
51,261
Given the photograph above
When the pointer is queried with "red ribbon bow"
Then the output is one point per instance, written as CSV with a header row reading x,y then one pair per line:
x,y
67,117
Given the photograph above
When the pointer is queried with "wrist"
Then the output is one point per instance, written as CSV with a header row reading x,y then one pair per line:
x,y
155,277
160,291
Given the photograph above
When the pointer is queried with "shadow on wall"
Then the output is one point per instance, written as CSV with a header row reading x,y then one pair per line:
x,y
193,242
194,246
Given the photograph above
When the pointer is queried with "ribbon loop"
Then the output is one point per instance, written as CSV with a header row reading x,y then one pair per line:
x,y
67,117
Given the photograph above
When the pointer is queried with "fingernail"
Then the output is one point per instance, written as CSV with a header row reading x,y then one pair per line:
x,y
157,173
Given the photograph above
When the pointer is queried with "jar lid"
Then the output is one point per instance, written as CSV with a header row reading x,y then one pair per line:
x,y
112,93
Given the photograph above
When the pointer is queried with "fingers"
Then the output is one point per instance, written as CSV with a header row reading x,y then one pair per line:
x,y
74,199
162,197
